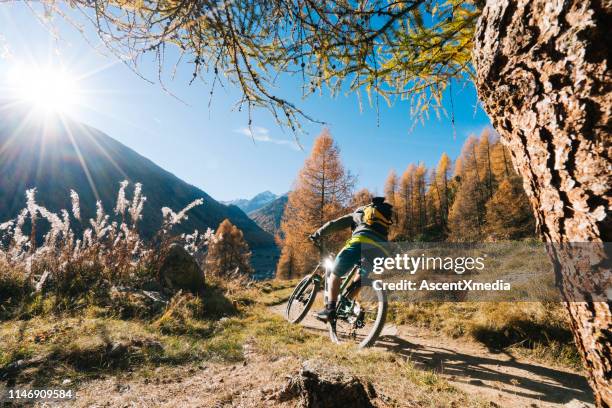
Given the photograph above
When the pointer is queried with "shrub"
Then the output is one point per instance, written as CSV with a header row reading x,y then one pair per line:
x,y
74,269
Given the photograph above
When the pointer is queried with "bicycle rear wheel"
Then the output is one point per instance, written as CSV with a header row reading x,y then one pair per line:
x,y
301,299
360,321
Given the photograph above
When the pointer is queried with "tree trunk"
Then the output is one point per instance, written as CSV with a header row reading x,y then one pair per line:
x,y
543,78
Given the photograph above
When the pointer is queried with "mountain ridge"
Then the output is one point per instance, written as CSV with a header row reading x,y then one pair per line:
x,y
256,202
60,154
270,215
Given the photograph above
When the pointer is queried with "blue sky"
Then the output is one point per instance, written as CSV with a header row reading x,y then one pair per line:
x,y
209,147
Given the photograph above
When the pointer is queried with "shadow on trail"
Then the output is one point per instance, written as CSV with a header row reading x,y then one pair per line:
x,y
488,371
552,385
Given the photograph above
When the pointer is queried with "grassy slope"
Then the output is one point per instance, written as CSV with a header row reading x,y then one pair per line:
x,y
97,345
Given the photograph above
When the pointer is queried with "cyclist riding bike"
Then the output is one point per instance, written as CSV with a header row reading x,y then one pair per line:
x,y
370,227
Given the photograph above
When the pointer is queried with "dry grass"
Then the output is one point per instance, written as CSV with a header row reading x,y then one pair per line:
x,y
538,328
191,331
42,248
275,292
78,328
531,329
54,347
395,377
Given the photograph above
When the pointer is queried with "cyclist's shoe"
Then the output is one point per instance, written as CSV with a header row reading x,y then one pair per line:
x,y
327,314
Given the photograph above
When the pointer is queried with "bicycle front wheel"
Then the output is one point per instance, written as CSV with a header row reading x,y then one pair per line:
x,y
361,320
301,299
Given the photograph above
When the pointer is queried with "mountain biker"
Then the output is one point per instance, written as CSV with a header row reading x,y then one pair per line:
x,y
370,225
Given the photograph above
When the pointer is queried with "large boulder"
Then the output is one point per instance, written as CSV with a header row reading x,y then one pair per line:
x,y
319,385
180,270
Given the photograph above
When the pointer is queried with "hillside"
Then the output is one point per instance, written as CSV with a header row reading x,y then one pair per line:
x,y
269,216
56,156
234,348
255,203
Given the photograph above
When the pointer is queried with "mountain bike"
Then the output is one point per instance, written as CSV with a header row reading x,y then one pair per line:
x,y
361,310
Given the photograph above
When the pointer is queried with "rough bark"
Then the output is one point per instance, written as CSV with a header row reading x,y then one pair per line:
x,y
543,77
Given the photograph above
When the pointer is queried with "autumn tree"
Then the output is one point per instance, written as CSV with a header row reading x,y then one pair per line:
x,y
508,213
485,170
285,268
471,170
391,187
458,170
474,171
501,162
434,197
405,209
321,192
465,220
337,45
419,196
433,229
361,198
390,190
228,253
442,184
467,213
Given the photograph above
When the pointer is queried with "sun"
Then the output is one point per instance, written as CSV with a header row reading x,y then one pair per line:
x,y
48,88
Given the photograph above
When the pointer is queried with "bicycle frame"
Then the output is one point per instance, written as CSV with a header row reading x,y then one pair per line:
x,y
345,304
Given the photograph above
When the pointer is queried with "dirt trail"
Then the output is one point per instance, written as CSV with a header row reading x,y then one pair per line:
x,y
501,378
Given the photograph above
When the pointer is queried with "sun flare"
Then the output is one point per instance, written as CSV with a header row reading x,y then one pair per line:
x,y
50,88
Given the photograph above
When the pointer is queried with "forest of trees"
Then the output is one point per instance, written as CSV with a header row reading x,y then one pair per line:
x,y
478,197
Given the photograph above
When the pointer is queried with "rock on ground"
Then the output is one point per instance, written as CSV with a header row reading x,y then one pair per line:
x,y
180,270
319,385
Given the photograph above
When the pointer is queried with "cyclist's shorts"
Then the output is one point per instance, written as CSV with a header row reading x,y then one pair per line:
x,y
351,254
348,257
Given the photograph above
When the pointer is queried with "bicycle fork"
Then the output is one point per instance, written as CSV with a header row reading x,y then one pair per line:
x,y
332,321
